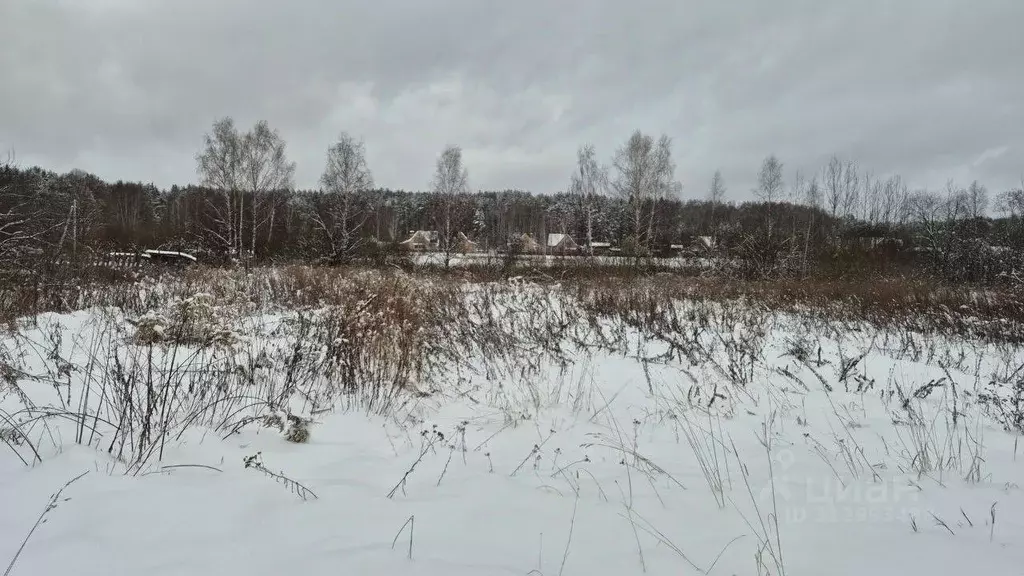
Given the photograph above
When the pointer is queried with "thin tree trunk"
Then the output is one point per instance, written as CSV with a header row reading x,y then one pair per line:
x,y
590,229
252,242
270,228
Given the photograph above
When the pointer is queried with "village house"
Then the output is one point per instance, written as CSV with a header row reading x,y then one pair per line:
x,y
465,245
421,241
697,247
600,247
561,244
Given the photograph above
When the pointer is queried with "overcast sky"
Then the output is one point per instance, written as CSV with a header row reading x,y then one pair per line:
x,y
932,89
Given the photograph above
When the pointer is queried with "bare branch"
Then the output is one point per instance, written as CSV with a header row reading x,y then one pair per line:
x,y
716,193
346,176
645,174
451,180
588,181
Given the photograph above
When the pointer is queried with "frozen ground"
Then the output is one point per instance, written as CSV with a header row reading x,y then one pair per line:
x,y
787,448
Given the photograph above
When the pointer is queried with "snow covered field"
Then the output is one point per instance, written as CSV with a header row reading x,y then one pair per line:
x,y
503,429
555,261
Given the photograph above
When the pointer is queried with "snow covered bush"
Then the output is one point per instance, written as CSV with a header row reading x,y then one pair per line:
x,y
293,428
150,328
191,320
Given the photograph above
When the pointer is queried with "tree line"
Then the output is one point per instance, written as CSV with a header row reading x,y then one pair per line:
x,y
246,208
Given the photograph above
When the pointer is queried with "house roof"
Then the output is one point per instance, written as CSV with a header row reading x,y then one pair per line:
x,y
555,240
169,253
421,236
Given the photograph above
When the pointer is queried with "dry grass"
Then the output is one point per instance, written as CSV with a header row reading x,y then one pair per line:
x,y
227,348
988,313
223,349
991,312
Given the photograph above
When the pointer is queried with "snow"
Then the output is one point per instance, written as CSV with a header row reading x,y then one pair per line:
x,y
171,253
590,466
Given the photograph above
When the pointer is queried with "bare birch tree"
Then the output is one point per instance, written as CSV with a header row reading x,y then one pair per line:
x,y
832,178
633,165
219,165
645,174
955,204
892,202
798,188
925,211
1011,203
716,192
851,189
716,196
346,176
977,200
588,182
266,169
234,165
841,187
769,180
812,198
451,181
666,187
871,199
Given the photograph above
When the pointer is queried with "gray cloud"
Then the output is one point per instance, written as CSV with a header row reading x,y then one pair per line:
x,y
931,89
